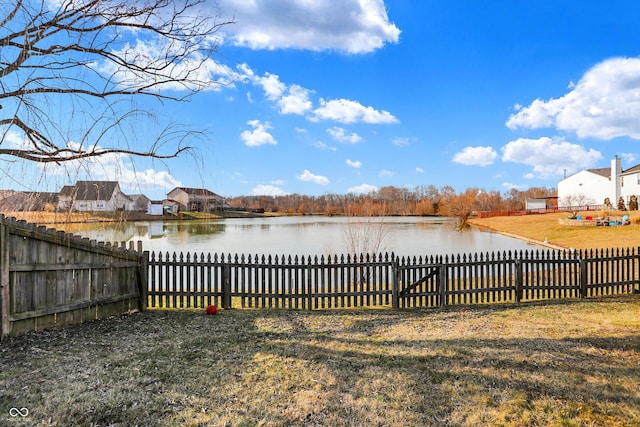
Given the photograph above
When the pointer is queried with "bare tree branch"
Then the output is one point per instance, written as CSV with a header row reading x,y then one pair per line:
x,y
84,57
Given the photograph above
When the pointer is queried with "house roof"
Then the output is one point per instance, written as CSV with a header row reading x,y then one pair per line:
x,y
606,172
631,170
90,190
197,192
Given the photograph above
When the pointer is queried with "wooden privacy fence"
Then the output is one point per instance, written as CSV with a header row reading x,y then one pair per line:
x,y
49,277
198,280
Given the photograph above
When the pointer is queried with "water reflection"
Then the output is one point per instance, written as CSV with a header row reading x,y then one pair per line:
x,y
305,235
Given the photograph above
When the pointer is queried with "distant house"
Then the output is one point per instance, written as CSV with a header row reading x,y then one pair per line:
x,y
196,199
171,207
155,207
19,201
140,202
88,196
596,185
536,204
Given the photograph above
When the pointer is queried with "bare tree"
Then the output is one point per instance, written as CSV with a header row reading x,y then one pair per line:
x,y
362,233
575,203
71,70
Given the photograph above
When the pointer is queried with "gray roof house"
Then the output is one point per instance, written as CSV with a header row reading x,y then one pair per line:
x,y
89,196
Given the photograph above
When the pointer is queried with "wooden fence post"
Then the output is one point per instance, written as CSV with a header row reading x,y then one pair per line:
x,y
226,284
519,281
583,278
5,305
442,284
309,298
143,276
395,283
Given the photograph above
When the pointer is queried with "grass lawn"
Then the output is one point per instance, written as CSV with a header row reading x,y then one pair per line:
x,y
559,364
540,227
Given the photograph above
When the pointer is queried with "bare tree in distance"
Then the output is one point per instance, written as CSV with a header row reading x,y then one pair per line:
x,y
71,70
362,233
576,202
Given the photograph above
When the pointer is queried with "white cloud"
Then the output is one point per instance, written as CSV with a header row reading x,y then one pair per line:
x,y
603,104
476,156
384,173
322,146
268,190
149,179
419,170
340,135
259,135
296,101
402,141
293,99
519,187
550,157
362,189
192,72
272,86
113,167
347,111
354,164
316,179
629,158
15,140
352,26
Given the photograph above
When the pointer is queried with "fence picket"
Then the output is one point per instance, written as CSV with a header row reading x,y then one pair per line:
x,y
376,279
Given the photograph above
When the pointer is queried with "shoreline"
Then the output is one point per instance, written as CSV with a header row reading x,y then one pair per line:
x,y
545,244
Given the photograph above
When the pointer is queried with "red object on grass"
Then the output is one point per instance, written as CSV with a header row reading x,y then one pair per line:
x,y
212,309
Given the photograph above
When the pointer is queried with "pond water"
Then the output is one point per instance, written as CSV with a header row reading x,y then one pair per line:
x,y
303,235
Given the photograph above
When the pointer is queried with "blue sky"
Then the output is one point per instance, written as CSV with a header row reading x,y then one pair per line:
x,y
350,96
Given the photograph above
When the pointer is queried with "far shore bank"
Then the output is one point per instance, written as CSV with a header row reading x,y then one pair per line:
x,y
52,218
546,230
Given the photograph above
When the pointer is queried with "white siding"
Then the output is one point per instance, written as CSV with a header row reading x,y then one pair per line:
x,y
630,186
589,184
155,208
532,204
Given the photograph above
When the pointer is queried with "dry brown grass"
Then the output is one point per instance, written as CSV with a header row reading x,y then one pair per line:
x,y
540,227
56,217
563,364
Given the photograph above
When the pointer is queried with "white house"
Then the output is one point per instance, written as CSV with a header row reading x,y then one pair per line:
x,y
87,196
593,186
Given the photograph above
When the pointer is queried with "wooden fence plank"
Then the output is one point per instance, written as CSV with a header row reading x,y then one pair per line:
x,y
49,277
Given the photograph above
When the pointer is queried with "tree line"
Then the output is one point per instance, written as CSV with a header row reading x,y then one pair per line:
x,y
390,200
